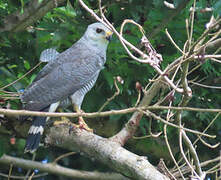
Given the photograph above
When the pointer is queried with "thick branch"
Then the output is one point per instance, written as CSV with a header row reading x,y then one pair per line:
x,y
104,150
59,170
132,125
33,11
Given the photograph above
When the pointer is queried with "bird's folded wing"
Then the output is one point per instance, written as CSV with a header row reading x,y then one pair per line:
x,y
61,82
70,55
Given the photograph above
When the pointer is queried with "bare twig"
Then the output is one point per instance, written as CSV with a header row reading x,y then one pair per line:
x,y
139,89
173,42
206,86
214,170
168,145
210,124
212,39
10,171
216,60
191,27
150,132
63,156
21,76
112,97
142,137
183,154
101,114
207,144
206,32
29,171
203,132
206,56
23,177
193,153
131,22
187,29
186,169
32,175
138,98
174,125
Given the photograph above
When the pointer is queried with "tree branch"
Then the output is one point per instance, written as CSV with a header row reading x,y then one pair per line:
x,y
186,169
104,150
33,11
142,106
59,170
21,129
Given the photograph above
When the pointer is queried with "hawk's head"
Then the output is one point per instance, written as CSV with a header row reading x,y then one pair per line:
x,y
98,34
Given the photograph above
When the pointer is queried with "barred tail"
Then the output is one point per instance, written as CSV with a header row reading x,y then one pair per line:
x,y
34,134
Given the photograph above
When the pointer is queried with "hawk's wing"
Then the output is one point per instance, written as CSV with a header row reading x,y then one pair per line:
x,y
74,53
60,58
61,81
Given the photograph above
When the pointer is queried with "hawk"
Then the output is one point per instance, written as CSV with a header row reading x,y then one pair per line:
x,y
70,74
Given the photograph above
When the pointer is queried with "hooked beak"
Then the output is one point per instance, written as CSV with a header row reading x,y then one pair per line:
x,y
108,35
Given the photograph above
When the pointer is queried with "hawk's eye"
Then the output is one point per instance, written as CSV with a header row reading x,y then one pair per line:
x,y
98,30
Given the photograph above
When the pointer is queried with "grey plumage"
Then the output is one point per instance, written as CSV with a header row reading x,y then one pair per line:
x,y
62,77
77,98
71,73
48,55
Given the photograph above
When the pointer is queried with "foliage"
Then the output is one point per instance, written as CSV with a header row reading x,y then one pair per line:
x,y
64,25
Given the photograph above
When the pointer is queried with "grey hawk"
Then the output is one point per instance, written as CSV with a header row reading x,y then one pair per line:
x,y
66,75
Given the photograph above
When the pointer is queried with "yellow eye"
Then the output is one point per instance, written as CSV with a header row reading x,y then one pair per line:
x,y
98,30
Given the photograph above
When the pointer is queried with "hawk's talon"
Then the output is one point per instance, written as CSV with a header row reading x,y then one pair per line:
x,y
63,120
83,125
81,122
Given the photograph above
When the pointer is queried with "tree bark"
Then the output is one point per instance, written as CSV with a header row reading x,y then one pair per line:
x,y
104,150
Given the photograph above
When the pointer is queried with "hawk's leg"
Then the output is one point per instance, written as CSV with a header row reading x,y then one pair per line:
x,y
63,120
82,123
53,108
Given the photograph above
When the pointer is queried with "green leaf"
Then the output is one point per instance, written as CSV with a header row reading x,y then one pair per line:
x,y
22,6
12,66
27,65
33,77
